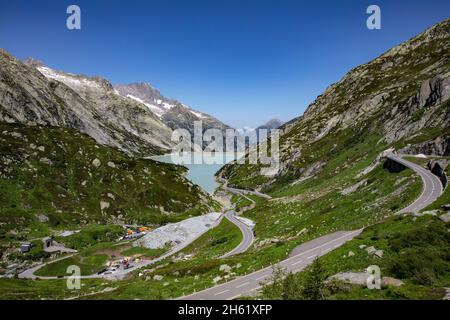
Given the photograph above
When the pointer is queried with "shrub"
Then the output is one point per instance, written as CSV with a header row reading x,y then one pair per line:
x,y
421,265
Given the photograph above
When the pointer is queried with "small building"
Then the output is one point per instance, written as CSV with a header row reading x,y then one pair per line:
x,y
48,242
25,247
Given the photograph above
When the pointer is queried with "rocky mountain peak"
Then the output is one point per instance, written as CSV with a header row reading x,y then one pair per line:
x,y
272,124
144,91
33,62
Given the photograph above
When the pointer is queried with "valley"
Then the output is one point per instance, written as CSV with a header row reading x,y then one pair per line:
x,y
362,182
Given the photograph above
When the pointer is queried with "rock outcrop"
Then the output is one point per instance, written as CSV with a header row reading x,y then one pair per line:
x,y
173,113
438,168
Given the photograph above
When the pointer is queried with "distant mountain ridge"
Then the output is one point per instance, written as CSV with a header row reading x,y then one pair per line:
x,y
33,94
134,118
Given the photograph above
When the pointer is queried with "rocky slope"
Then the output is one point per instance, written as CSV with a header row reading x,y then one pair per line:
x,y
145,93
401,98
33,94
269,126
174,114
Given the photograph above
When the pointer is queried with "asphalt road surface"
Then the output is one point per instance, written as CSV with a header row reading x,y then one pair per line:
x,y
247,235
302,256
432,186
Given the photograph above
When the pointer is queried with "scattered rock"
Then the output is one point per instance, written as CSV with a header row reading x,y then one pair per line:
x,y
371,250
354,187
445,217
362,246
374,252
217,279
157,277
104,205
391,282
96,163
42,218
225,268
350,254
447,294
429,212
446,207
111,164
359,278
45,161
379,253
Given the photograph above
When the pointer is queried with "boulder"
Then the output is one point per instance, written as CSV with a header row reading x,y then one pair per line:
x,y
225,268
359,278
45,161
391,282
445,217
371,250
96,163
374,252
111,164
104,205
379,253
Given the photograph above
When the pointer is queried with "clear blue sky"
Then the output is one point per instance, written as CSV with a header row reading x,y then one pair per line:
x,y
242,61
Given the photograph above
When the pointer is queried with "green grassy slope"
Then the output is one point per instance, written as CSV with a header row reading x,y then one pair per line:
x,y
415,251
54,178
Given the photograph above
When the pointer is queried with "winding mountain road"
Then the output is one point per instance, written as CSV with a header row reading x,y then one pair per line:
x,y
304,255
299,258
432,186
247,235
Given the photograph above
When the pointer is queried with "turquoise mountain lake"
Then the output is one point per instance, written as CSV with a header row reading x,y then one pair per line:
x,y
202,166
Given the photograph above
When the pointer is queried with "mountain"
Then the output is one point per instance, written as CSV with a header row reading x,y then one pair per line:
x,y
269,126
33,94
399,100
174,114
145,93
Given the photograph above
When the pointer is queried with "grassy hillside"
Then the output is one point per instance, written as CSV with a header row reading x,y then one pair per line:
x,y
415,251
54,178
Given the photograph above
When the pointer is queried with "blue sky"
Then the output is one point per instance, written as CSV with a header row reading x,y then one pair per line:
x,y
244,61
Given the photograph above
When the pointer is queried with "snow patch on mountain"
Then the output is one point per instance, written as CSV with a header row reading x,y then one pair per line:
x,y
68,79
153,108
